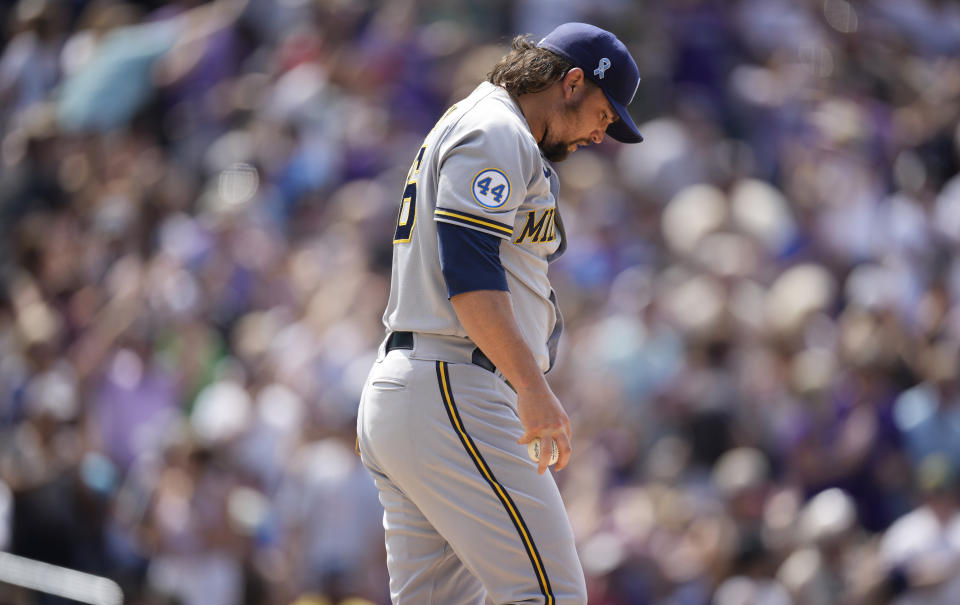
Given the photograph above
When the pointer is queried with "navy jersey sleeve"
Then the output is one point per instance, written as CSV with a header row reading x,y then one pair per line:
x,y
470,259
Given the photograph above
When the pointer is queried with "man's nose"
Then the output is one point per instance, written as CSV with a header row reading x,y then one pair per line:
x,y
596,136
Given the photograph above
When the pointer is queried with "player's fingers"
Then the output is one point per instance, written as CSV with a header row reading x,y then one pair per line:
x,y
535,433
565,450
545,452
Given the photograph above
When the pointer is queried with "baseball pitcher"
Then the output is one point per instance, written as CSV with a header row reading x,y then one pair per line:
x,y
458,390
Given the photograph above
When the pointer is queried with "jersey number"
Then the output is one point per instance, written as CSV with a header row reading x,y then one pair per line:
x,y
407,217
484,186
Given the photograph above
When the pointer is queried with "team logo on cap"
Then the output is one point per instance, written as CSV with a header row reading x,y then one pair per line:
x,y
602,67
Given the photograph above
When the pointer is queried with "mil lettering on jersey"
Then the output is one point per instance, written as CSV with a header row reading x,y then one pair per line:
x,y
538,230
491,188
407,217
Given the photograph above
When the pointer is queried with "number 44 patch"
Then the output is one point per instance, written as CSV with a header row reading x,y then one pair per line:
x,y
491,188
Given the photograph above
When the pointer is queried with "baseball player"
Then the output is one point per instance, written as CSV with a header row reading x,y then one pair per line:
x,y
458,389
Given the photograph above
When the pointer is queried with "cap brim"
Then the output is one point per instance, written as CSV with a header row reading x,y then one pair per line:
x,y
624,129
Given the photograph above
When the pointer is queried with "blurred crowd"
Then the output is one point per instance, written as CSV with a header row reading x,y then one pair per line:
x,y
762,353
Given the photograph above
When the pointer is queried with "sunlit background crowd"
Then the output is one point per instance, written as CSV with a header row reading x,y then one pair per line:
x,y
762,300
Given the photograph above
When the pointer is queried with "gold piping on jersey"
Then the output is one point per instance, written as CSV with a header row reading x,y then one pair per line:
x,y
461,217
443,377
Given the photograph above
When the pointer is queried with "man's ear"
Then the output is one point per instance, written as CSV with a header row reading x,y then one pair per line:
x,y
572,81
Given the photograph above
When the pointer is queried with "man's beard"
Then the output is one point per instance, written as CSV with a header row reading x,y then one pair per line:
x,y
555,150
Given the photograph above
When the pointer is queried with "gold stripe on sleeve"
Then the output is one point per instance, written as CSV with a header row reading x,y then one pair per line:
x,y
498,227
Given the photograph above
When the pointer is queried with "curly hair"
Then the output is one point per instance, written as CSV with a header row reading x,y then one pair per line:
x,y
527,68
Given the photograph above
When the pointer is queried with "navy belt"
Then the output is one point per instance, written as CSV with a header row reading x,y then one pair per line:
x,y
404,340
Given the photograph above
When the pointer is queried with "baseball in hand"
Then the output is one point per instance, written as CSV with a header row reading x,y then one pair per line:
x,y
534,449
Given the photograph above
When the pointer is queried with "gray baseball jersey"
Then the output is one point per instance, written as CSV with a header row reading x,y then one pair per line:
x,y
467,518
480,168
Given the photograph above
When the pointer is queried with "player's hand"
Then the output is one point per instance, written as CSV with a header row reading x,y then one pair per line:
x,y
543,417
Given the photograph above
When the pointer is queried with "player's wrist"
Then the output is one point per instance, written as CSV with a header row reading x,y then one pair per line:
x,y
535,384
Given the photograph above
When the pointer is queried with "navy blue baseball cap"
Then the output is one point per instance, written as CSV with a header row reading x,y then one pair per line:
x,y
607,62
